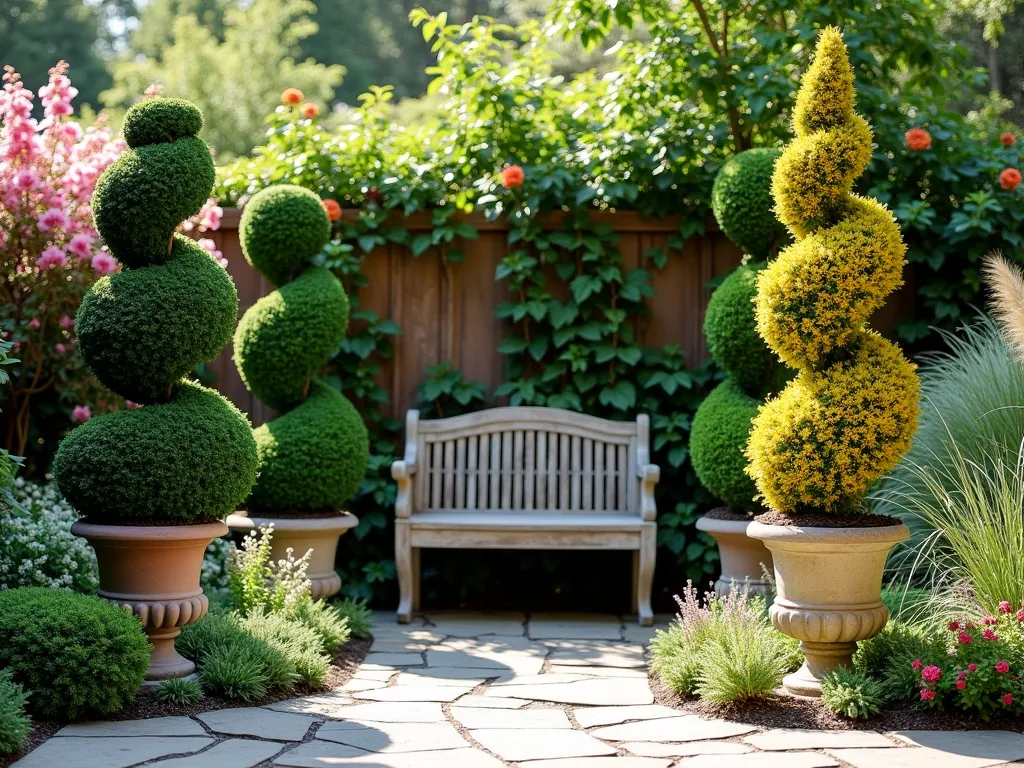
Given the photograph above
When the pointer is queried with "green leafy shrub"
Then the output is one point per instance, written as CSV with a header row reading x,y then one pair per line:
x,y
851,693
889,656
282,228
330,622
720,430
180,691
742,202
189,455
357,615
301,645
722,649
74,654
190,460
142,330
15,725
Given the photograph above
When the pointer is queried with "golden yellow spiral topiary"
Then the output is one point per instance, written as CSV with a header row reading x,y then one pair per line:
x,y
851,412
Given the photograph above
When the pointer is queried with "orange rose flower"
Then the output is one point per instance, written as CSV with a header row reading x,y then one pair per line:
x,y
918,139
1009,179
291,96
309,110
332,208
512,177
1008,139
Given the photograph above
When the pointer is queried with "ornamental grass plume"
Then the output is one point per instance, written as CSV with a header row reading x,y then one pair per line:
x,y
851,411
1006,287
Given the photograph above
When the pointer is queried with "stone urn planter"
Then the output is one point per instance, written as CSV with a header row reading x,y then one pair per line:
x,y
302,534
743,559
153,571
828,585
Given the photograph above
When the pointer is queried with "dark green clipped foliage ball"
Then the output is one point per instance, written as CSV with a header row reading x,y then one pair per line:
x,y
731,332
718,438
75,654
312,457
156,121
282,228
742,201
286,336
141,198
141,330
191,460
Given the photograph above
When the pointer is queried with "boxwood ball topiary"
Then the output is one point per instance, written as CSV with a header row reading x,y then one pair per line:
x,y
285,337
140,200
742,201
731,331
161,121
141,330
312,457
282,228
190,460
75,654
718,439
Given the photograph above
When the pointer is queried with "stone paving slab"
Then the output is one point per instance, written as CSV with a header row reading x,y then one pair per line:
x,y
1005,745
393,737
563,626
442,693
323,754
540,743
599,762
395,659
233,753
680,728
396,712
908,758
476,624
689,749
789,739
154,726
317,753
548,678
443,676
357,684
510,718
503,663
486,702
590,717
638,673
262,723
592,692
329,703
763,760
108,752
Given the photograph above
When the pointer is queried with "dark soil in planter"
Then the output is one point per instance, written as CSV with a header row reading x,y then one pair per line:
x,y
827,521
728,513
783,711
295,514
343,666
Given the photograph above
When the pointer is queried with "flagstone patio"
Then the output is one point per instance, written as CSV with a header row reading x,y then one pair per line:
x,y
482,690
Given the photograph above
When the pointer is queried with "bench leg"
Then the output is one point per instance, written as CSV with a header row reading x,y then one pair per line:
x,y
645,574
404,566
416,594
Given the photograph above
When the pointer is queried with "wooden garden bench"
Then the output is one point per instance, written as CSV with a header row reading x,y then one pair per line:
x,y
525,478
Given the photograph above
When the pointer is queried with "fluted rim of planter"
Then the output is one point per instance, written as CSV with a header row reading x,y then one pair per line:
x,y
243,521
781,535
164,533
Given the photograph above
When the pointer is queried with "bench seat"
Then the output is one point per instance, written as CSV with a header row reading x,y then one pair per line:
x,y
525,478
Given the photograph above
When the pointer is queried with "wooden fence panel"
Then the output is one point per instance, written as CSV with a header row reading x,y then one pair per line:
x,y
446,311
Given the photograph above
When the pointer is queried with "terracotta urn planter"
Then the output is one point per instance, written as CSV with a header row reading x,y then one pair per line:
x,y
153,571
743,559
302,534
828,585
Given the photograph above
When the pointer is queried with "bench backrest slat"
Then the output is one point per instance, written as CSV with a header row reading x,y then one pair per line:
x,y
527,459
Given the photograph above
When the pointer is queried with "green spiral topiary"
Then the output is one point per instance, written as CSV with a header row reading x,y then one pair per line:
x,y
314,455
187,455
741,199
718,438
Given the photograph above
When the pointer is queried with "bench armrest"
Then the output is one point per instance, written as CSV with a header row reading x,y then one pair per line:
x,y
403,470
649,474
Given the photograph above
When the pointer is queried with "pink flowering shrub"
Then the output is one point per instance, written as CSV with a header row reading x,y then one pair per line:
x,y
51,255
981,672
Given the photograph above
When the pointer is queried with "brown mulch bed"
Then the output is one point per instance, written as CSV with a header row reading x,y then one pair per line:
x,y
343,666
727,513
784,711
827,521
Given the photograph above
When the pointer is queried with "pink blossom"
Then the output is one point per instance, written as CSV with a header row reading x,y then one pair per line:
x,y
34,324
927,695
26,179
66,321
931,674
916,665
972,667
103,263
81,413
954,626
988,634
1005,607
961,684
211,248
81,245
1007,699
964,638
61,349
52,219
132,405
988,621
1002,667
1020,615
52,257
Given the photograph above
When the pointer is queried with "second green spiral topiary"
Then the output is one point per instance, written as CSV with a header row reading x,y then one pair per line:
x,y
314,455
742,205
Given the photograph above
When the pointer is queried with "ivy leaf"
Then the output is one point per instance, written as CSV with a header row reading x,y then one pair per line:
x,y
564,269
583,287
563,239
466,231
561,314
420,243
630,355
368,242
621,396
538,347
590,331
512,346
604,353
564,335
678,455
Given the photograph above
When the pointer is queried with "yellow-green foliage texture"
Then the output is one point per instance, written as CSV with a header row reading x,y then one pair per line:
x,y
851,411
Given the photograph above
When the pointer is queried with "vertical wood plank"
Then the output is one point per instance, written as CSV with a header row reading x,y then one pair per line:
x,y
506,470
460,473
531,473
518,469
621,464
576,479
483,473
588,473
632,484
552,470
495,500
542,470
598,476
472,473
436,458
609,476
563,472
448,474
420,498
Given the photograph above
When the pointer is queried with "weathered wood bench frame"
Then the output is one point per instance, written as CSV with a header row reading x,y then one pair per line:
x,y
525,478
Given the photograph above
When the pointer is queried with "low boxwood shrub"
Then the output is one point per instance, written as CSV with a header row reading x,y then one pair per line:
x,y
180,691
15,725
851,693
74,654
